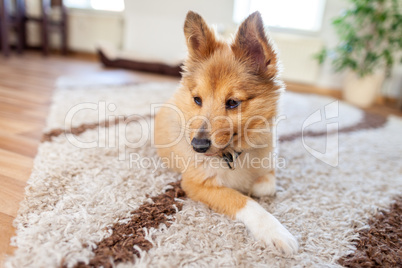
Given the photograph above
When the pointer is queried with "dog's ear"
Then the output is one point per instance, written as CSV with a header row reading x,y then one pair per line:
x,y
201,41
251,44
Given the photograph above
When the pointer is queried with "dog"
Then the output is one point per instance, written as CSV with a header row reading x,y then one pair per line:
x,y
219,117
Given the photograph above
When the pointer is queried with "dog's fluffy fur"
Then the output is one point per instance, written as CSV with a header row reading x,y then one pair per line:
x,y
217,74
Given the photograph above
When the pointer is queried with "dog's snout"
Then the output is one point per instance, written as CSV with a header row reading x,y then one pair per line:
x,y
201,145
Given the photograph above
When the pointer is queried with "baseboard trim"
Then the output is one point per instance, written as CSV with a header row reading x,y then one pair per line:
x,y
303,88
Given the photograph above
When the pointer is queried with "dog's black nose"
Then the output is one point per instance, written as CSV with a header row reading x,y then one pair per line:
x,y
201,145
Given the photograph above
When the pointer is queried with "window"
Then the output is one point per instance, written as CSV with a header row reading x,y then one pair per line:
x,y
109,5
302,15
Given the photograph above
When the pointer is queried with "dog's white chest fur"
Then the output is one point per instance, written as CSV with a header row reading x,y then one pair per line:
x,y
247,168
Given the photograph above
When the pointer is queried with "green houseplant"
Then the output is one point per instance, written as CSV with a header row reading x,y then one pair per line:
x,y
370,43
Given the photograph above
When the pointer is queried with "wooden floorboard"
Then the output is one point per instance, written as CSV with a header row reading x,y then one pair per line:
x,y
26,87
6,231
10,190
19,144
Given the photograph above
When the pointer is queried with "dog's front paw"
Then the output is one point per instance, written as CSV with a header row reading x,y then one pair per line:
x,y
280,239
264,186
268,229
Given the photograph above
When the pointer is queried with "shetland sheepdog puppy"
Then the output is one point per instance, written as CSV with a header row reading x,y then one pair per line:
x,y
218,128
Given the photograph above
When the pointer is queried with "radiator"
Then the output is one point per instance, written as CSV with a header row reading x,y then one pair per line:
x,y
296,54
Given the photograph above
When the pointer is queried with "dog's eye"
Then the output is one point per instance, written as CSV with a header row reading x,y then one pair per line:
x,y
231,104
198,101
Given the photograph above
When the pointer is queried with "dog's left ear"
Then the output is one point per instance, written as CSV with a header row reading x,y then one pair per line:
x,y
251,44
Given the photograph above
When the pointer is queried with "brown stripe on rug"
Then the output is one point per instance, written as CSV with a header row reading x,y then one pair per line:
x,y
368,121
381,244
119,247
48,136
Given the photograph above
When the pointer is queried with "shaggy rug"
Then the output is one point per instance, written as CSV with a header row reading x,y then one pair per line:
x,y
98,195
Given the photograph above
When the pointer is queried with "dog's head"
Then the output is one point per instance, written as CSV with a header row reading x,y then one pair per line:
x,y
229,91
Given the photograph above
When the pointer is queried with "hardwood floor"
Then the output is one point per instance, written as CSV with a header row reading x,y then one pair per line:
x,y
26,85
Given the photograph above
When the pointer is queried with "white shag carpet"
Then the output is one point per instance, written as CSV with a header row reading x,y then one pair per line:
x,y
75,194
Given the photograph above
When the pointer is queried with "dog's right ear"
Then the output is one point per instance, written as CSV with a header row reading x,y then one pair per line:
x,y
200,39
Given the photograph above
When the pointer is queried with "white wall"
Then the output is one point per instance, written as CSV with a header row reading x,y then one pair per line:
x,y
155,27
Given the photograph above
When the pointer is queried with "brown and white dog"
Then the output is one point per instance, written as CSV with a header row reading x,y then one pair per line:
x,y
221,116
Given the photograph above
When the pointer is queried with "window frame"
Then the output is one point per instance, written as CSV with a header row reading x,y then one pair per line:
x,y
88,7
288,30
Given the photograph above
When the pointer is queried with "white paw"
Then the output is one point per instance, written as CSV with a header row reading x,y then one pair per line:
x,y
268,229
264,187
280,239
